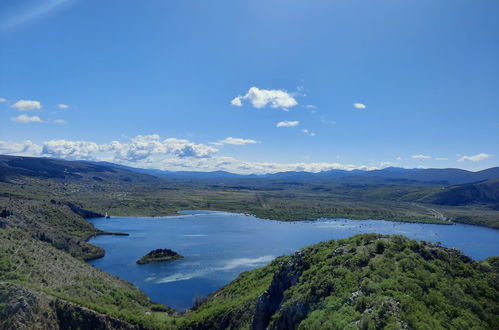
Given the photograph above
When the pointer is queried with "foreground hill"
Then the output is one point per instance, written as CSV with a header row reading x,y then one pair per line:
x,y
366,281
42,287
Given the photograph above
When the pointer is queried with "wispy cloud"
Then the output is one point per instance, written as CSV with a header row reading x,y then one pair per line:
x,y
27,105
359,106
2,100
234,141
27,119
63,106
475,158
324,120
260,98
59,121
306,131
420,156
441,158
287,123
26,13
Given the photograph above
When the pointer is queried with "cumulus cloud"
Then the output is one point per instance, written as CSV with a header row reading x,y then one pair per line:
x,y
26,148
70,149
27,105
474,158
359,106
420,156
27,119
151,151
234,141
306,131
287,123
144,146
63,106
260,98
2,100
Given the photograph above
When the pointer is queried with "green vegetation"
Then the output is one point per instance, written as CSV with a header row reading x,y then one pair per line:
x,y
53,275
366,281
159,255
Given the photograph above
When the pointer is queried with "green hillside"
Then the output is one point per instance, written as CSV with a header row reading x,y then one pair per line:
x,y
366,281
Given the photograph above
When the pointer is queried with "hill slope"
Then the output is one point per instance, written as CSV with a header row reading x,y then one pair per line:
x,y
366,281
42,287
14,166
486,192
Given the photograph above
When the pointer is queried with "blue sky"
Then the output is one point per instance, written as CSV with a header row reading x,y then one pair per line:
x,y
203,85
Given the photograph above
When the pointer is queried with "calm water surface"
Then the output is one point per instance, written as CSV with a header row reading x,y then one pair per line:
x,y
217,246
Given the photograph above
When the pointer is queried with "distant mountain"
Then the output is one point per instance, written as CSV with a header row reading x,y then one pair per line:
x,y
448,176
485,192
15,166
444,175
62,168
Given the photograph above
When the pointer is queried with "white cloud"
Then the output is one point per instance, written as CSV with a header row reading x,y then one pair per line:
x,y
151,151
310,106
27,119
306,131
359,106
237,101
324,120
26,148
234,141
30,10
420,156
59,121
144,147
27,105
70,149
388,164
63,106
475,158
441,158
260,98
287,123
2,100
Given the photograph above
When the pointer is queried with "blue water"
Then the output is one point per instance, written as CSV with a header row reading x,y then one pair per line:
x,y
218,246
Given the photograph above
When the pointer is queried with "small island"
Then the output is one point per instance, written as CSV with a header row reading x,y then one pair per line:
x,y
159,255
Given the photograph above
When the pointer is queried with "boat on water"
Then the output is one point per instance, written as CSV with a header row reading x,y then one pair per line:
x,y
107,216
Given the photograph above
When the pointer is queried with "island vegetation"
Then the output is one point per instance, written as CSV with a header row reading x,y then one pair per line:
x,y
159,255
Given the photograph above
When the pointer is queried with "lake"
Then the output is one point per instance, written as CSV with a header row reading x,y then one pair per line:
x,y
218,246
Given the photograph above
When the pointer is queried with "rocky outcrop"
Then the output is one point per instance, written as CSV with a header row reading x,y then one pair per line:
x,y
270,301
21,308
25,309
73,316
